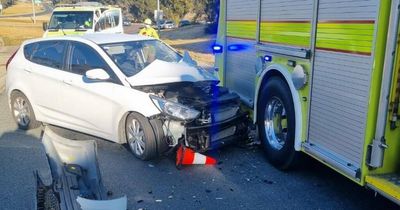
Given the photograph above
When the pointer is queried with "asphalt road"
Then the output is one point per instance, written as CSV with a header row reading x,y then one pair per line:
x,y
242,179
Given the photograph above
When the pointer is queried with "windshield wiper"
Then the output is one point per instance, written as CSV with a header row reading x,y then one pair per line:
x,y
78,28
62,29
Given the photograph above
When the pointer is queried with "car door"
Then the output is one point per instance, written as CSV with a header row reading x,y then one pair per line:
x,y
89,105
110,21
46,72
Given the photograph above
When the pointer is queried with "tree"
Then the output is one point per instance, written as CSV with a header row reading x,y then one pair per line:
x,y
176,9
207,9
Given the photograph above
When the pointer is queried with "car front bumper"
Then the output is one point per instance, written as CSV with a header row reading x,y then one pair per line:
x,y
214,135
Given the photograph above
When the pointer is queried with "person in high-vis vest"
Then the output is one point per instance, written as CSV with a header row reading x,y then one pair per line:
x,y
148,30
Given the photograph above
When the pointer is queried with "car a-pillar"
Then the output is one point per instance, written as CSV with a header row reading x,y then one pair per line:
x,y
278,114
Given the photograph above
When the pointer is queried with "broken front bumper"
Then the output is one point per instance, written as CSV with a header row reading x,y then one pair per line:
x,y
214,135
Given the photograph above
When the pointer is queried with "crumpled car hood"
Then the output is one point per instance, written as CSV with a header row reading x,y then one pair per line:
x,y
162,72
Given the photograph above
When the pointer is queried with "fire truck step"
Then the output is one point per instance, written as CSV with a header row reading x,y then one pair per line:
x,y
387,184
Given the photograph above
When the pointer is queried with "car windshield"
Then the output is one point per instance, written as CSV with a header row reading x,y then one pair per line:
x,y
133,57
71,20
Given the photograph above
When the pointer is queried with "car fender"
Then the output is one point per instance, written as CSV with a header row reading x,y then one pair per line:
x,y
132,100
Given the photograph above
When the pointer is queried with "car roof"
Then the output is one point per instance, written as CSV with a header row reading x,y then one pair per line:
x,y
103,38
98,38
82,6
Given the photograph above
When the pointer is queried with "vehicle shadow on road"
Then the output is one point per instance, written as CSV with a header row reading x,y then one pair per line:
x,y
21,156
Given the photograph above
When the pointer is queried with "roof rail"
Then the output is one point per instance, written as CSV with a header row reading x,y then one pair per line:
x,y
81,4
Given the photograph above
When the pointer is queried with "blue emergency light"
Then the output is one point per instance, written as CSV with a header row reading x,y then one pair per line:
x,y
217,48
267,58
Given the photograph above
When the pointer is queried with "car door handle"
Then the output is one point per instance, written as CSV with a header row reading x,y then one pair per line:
x,y
28,70
68,82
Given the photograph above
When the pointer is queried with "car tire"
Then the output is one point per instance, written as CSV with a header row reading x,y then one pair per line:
x,y
22,112
162,145
276,124
140,136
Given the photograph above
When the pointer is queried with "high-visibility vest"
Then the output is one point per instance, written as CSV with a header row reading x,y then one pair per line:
x,y
149,32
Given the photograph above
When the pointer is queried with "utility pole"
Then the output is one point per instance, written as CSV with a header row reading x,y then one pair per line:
x,y
33,11
158,16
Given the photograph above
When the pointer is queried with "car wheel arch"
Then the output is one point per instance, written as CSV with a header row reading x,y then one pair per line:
x,y
121,128
26,95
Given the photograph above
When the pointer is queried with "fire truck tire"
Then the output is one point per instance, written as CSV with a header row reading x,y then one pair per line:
x,y
276,123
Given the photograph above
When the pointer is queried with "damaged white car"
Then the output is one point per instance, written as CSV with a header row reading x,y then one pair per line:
x,y
124,88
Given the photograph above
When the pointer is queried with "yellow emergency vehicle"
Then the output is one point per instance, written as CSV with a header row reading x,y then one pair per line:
x,y
83,17
320,77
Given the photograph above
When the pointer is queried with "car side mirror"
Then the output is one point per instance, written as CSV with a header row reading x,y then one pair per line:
x,y
97,75
44,26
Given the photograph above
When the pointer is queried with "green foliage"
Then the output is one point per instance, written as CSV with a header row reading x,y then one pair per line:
x,y
173,9
206,8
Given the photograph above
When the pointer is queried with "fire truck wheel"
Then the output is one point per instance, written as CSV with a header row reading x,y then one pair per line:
x,y
276,123
140,136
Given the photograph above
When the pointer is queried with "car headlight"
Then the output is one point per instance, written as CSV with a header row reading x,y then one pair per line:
x,y
174,109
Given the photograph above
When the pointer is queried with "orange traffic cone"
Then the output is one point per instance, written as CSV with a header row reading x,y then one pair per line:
x,y
186,156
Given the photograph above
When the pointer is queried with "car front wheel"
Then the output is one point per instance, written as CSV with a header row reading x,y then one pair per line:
x,y
140,136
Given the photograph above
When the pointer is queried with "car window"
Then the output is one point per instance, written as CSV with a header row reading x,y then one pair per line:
x,y
133,57
28,50
49,53
109,20
84,57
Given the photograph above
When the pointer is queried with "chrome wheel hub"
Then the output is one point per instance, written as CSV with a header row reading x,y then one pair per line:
x,y
136,137
275,123
21,111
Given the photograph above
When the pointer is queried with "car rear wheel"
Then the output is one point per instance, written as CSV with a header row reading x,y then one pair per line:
x,y
276,123
22,111
140,136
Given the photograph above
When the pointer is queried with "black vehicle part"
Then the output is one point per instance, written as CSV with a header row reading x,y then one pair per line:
x,y
161,140
212,136
279,149
46,198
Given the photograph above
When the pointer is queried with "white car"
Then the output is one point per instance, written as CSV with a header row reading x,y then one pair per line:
x,y
168,24
124,88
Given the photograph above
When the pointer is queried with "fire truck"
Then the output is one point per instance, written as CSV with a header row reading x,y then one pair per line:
x,y
320,77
